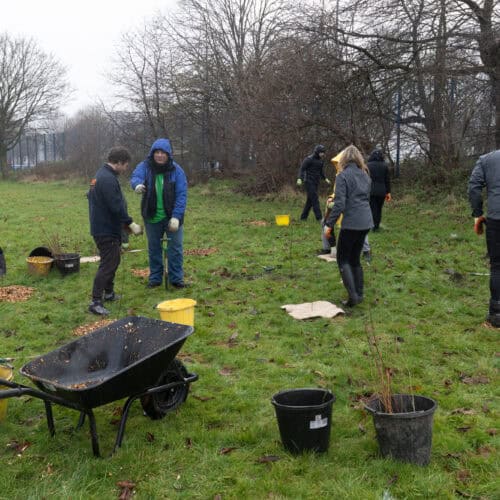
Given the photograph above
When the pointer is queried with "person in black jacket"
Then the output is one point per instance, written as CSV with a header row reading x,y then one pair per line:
x,y
381,185
352,193
486,174
310,173
108,215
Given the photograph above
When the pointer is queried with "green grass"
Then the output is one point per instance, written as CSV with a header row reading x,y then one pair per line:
x,y
426,308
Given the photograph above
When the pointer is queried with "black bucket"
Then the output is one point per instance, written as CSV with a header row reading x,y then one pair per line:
x,y
304,418
406,434
67,263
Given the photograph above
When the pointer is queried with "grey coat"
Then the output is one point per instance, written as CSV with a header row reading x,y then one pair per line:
x,y
486,174
352,198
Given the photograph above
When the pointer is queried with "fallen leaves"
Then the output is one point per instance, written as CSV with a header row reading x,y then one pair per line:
x,y
15,293
126,489
478,379
79,331
19,447
201,251
266,459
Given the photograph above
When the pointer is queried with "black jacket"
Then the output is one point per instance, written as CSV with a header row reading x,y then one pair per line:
x,y
379,173
312,169
486,174
107,212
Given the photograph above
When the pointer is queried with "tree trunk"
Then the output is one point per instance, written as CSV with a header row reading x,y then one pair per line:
x,y
3,162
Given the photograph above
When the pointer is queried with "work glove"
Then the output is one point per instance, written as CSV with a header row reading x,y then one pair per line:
x,y
135,228
388,197
140,188
478,224
328,181
299,182
173,224
329,203
327,231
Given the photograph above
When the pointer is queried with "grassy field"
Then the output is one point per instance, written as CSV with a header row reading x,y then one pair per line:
x,y
426,305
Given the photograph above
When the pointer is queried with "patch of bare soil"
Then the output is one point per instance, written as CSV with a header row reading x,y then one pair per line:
x,y
258,223
79,331
15,293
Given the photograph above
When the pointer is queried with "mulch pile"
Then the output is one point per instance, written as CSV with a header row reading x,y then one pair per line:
x,y
90,327
141,273
15,293
201,251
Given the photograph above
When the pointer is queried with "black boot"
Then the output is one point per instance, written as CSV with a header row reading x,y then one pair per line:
x,y
358,281
493,317
350,285
3,265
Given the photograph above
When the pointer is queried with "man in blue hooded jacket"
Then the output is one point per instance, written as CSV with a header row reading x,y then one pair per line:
x,y
163,185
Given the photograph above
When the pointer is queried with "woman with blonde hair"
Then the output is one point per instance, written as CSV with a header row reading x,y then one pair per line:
x,y
352,199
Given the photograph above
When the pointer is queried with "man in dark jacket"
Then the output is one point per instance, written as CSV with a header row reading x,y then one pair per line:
x,y
486,174
310,173
381,185
163,185
108,214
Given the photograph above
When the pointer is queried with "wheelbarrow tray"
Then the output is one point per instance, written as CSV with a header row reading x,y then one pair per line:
x,y
121,359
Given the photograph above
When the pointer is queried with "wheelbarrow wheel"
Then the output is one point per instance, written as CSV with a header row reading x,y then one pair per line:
x,y
157,405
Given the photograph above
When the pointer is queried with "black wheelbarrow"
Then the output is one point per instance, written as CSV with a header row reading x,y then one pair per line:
x,y
132,358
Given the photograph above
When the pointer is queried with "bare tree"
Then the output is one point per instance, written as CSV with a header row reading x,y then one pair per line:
x,y
32,86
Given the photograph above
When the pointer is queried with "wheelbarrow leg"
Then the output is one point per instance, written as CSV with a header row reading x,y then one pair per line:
x,y
81,420
123,421
50,417
93,433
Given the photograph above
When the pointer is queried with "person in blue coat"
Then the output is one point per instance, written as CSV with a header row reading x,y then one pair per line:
x,y
163,186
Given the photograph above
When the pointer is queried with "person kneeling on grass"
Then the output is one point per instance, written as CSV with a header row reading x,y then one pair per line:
x,y
108,215
352,199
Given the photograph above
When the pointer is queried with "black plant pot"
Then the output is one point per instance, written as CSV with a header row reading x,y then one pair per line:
x,y
67,263
405,434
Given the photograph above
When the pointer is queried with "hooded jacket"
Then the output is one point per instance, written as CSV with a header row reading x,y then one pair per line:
x,y
312,168
174,184
379,173
486,174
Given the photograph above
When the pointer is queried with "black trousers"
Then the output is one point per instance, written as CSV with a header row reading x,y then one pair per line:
x,y
109,250
312,201
376,204
349,247
493,245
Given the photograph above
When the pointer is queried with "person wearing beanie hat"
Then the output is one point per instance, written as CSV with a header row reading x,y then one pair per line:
x,y
310,173
163,186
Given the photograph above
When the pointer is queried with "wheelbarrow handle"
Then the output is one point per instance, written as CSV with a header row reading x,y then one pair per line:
x,y
15,391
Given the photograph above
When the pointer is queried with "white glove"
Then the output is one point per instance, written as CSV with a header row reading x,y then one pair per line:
x,y
173,224
135,228
140,188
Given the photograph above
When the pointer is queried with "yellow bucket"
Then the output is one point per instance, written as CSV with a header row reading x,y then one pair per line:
x,y
7,374
282,220
39,265
177,311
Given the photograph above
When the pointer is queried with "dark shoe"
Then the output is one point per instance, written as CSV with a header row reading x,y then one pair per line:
x,y
181,284
323,252
111,297
153,285
97,308
350,285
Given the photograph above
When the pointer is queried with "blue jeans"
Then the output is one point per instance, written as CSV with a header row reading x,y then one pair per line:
x,y
175,257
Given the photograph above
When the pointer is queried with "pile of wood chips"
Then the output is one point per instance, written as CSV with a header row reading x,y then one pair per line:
x,y
79,331
201,251
141,273
15,293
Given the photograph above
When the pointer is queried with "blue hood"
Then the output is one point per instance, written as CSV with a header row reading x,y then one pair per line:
x,y
163,145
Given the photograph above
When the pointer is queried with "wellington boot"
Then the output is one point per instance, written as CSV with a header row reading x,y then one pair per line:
x,y
350,285
358,281
493,317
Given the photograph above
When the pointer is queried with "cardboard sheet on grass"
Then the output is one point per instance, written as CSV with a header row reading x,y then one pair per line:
x,y
327,257
317,309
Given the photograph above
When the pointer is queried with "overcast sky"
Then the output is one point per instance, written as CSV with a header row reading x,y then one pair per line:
x,y
82,35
